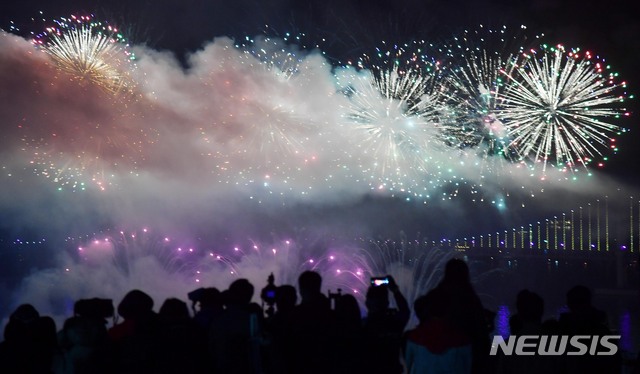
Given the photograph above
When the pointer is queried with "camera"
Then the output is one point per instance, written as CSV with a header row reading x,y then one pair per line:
x,y
379,281
334,297
94,308
268,296
268,293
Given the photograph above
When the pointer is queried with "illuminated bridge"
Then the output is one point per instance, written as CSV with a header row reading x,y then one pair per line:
x,y
584,229
595,235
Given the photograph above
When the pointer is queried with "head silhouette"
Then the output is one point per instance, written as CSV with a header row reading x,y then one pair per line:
x,y
309,284
530,306
19,322
174,310
578,297
286,297
377,298
456,272
211,298
135,304
347,310
240,292
25,313
431,305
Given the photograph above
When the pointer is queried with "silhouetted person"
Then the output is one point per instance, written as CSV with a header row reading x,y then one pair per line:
x,y
528,317
347,313
312,328
286,298
584,319
436,345
235,333
135,340
349,335
279,331
26,342
465,310
207,305
528,321
177,343
83,339
45,343
383,328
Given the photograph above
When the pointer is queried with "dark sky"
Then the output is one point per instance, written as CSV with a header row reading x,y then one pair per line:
x,y
609,28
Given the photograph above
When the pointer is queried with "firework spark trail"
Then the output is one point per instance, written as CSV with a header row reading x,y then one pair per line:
x,y
168,267
416,265
93,154
215,264
558,107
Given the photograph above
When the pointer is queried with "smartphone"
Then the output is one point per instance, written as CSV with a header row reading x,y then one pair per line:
x,y
379,281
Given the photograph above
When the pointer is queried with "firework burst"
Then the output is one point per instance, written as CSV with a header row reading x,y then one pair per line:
x,y
560,108
393,115
478,61
89,52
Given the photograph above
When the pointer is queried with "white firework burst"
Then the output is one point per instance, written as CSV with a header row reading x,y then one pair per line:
x,y
560,106
392,114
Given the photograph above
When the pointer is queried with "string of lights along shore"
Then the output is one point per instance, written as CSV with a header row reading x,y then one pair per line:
x,y
586,228
408,119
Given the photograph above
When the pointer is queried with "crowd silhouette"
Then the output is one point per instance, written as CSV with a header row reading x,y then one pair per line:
x,y
225,332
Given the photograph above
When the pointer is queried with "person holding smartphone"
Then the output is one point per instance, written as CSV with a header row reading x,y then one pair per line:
x,y
383,326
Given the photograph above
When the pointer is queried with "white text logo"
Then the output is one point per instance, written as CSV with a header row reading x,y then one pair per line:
x,y
555,345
